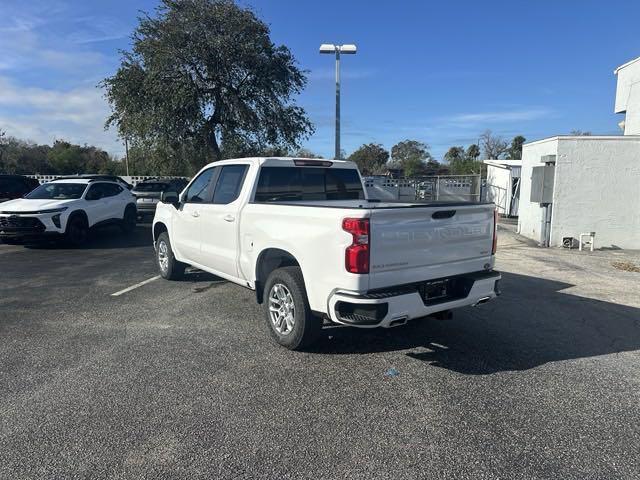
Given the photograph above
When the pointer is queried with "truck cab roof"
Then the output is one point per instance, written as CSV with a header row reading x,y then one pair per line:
x,y
288,162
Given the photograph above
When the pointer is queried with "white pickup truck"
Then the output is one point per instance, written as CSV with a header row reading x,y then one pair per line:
x,y
304,236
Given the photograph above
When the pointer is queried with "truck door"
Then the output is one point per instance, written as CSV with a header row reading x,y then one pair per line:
x,y
220,219
186,223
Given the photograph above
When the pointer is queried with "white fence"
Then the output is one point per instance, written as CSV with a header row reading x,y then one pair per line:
x,y
133,180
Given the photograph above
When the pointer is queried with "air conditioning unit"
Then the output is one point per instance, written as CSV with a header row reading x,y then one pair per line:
x,y
548,159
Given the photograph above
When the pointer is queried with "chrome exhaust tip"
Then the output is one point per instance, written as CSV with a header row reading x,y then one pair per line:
x,y
396,322
481,301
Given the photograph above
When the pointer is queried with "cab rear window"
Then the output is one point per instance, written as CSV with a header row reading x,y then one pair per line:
x,y
278,184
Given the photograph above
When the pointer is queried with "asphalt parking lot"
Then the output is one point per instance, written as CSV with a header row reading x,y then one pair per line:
x,y
180,379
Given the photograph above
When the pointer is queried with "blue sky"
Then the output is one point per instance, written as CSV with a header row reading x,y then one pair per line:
x,y
439,72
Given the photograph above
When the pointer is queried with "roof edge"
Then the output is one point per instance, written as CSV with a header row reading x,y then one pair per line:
x,y
615,72
585,137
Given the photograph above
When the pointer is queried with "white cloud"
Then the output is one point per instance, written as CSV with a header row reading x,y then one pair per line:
x,y
499,117
48,76
94,29
43,115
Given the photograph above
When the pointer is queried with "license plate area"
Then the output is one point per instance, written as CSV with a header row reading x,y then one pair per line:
x,y
433,291
444,290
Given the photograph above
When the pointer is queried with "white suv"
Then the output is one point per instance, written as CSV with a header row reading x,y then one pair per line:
x,y
67,208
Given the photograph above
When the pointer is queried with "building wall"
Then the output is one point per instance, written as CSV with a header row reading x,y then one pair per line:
x,y
597,188
529,213
628,96
632,117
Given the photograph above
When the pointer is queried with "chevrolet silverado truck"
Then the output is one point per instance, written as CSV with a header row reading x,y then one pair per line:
x,y
303,234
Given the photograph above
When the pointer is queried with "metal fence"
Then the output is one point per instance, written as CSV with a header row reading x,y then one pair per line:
x,y
440,188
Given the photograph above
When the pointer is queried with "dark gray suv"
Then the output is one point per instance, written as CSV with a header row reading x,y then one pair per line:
x,y
147,193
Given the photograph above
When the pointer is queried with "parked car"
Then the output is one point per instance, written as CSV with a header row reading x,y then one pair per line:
x,y
147,193
303,235
99,176
15,186
67,208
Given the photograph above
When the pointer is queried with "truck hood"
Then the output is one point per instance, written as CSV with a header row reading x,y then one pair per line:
x,y
24,205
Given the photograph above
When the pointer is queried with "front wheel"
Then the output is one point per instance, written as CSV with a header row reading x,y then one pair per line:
x,y
287,312
170,268
129,220
77,231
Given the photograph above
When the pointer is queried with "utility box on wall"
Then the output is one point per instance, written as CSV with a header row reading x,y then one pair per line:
x,y
542,184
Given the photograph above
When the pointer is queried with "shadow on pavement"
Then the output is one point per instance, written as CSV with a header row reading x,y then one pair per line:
x,y
106,237
196,276
531,324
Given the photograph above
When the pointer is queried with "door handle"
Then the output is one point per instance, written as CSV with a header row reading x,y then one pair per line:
x,y
229,218
195,214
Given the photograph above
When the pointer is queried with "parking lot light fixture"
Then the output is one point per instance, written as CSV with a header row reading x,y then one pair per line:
x,y
347,49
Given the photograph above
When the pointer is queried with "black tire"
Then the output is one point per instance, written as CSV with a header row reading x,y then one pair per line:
x,y
171,269
306,327
77,231
9,241
128,223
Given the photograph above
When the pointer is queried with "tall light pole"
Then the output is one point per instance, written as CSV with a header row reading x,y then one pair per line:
x,y
348,49
126,150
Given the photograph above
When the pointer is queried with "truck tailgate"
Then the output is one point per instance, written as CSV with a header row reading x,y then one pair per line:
x,y
417,243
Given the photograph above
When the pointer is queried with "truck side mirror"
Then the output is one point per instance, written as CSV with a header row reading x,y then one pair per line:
x,y
170,197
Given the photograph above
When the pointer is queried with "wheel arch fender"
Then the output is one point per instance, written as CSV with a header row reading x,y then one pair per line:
x,y
268,260
77,213
158,228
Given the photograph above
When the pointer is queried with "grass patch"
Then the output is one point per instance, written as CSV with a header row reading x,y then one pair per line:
x,y
626,266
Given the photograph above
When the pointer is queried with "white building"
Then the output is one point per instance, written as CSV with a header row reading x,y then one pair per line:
x,y
595,188
503,185
628,96
573,185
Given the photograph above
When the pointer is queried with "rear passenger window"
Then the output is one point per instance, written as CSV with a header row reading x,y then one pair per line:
x,y
111,190
95,192
229,183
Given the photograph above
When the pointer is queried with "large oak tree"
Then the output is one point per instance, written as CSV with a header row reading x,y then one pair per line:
x,y
202,71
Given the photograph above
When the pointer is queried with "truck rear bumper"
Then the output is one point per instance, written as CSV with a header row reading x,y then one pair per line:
x,y
394,307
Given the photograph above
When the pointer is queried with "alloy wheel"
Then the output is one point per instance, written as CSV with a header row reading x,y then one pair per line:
x,y
281,309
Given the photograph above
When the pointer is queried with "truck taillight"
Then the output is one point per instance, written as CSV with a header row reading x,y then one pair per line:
x,y
356,256
495,232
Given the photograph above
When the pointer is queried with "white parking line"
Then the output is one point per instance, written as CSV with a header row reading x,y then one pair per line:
x,y
133,287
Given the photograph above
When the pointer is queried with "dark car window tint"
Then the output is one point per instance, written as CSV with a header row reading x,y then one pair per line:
x,y
343,184
12,185
197,191
229,183
308,183
151,187
111,190
95,192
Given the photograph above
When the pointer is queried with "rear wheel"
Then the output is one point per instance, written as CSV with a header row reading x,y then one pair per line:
x,y
170,268
129,220
287,312
77,231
